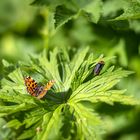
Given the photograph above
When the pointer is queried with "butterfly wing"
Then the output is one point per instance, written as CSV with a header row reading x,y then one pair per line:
x,y
36,90
31,85
45,89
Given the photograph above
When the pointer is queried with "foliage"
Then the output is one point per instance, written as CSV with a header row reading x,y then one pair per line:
x,y
65,104
64,10
92,9
109,27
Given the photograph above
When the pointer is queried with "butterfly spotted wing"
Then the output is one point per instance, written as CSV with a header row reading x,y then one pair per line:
x,y
36,90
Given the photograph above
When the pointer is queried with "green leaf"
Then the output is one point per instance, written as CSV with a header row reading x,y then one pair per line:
x,y
63,15
131,10
66,10
111,7
68,128
5,133
5,63
64,104
87,122
14,123
51,125
34,116
18,97
26,134
99,87
16,81
83,72
48,3
74,66
7,110
119,49
93,10
51,67
64,66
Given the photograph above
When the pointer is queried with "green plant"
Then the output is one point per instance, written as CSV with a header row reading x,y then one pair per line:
x,y
93,10
68,110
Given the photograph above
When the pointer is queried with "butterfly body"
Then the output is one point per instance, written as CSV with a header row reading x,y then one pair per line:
x,y
35,89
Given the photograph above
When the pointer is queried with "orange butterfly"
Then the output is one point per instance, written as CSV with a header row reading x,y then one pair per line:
x,y
36,90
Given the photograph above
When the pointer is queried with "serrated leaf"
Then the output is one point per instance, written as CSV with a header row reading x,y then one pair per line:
x,y
64,64
51,125
87,122
64,11
16,82
131,11
93,10
62,15
32,120
99,87
71,89
51,67
110,97
34,116
15,108
18,97
26,134
14,123
101,81
74,66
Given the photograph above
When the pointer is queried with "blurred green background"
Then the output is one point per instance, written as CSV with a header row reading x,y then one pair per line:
x,y
27,29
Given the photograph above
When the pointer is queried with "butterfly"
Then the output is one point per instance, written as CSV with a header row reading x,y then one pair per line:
x,y
35,89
